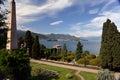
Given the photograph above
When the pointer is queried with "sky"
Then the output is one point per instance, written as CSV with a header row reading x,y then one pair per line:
x,y
81,18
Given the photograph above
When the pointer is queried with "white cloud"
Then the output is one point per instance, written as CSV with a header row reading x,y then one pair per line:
x,y
76,26
88,3
87,33
94,26
56,23
49,8
23,28
94,11
82,30
101,18
108,4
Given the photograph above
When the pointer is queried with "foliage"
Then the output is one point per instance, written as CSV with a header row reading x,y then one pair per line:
x,y
62,71
42,47
95,61
70,56
43,74
3,27
15,64
106,75
91,56
47,53
56,58
79,51
69,76
85,53
84,61
88,59
36,48
2,1
110,46
21,43
64,50
29,42
88,75
2,75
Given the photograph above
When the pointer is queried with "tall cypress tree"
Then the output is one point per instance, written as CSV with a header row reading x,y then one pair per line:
x,y
110,47
36,48
20,42
79,51
64,51
29,42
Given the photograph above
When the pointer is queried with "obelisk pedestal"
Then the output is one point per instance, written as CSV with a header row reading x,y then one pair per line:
x,y
12,31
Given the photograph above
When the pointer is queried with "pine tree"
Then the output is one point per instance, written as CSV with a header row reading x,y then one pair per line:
x,y
29,42
36,48
79,51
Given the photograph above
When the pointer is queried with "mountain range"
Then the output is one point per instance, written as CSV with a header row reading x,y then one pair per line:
x,y
50,37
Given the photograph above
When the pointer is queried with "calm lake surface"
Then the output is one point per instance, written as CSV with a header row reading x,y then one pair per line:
x,y
91,46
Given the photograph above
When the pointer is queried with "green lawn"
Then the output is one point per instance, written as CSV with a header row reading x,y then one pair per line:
x,y
88,75
62,71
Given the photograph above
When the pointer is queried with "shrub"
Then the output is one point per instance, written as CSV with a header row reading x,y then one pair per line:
x,y
69,76
15,64
106,75
91,56
56,58
69,57
95,61
43,74
2,75
84,61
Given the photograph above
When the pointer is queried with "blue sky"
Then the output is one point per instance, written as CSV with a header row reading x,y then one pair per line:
x,y
81,18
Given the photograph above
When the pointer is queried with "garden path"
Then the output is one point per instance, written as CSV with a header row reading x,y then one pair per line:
x,y
71,67
77,73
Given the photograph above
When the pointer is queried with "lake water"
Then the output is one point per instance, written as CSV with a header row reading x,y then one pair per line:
x,y
91,46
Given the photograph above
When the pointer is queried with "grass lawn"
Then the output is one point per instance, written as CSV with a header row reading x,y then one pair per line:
x,y
62,71
88,75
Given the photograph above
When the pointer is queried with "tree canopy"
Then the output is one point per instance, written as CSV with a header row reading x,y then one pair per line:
x,y
36,48
29,41
110,46
3,26
79,51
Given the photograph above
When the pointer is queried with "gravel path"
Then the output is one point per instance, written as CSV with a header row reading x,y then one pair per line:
x,y
66,66
78,69
77,73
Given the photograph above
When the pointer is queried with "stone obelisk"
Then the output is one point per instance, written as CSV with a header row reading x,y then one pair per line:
x,y
12,29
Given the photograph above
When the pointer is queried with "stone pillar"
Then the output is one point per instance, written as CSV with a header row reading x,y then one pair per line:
x,y
12,31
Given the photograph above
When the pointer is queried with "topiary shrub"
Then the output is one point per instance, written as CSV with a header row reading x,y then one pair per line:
x,y
15,64
105,75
